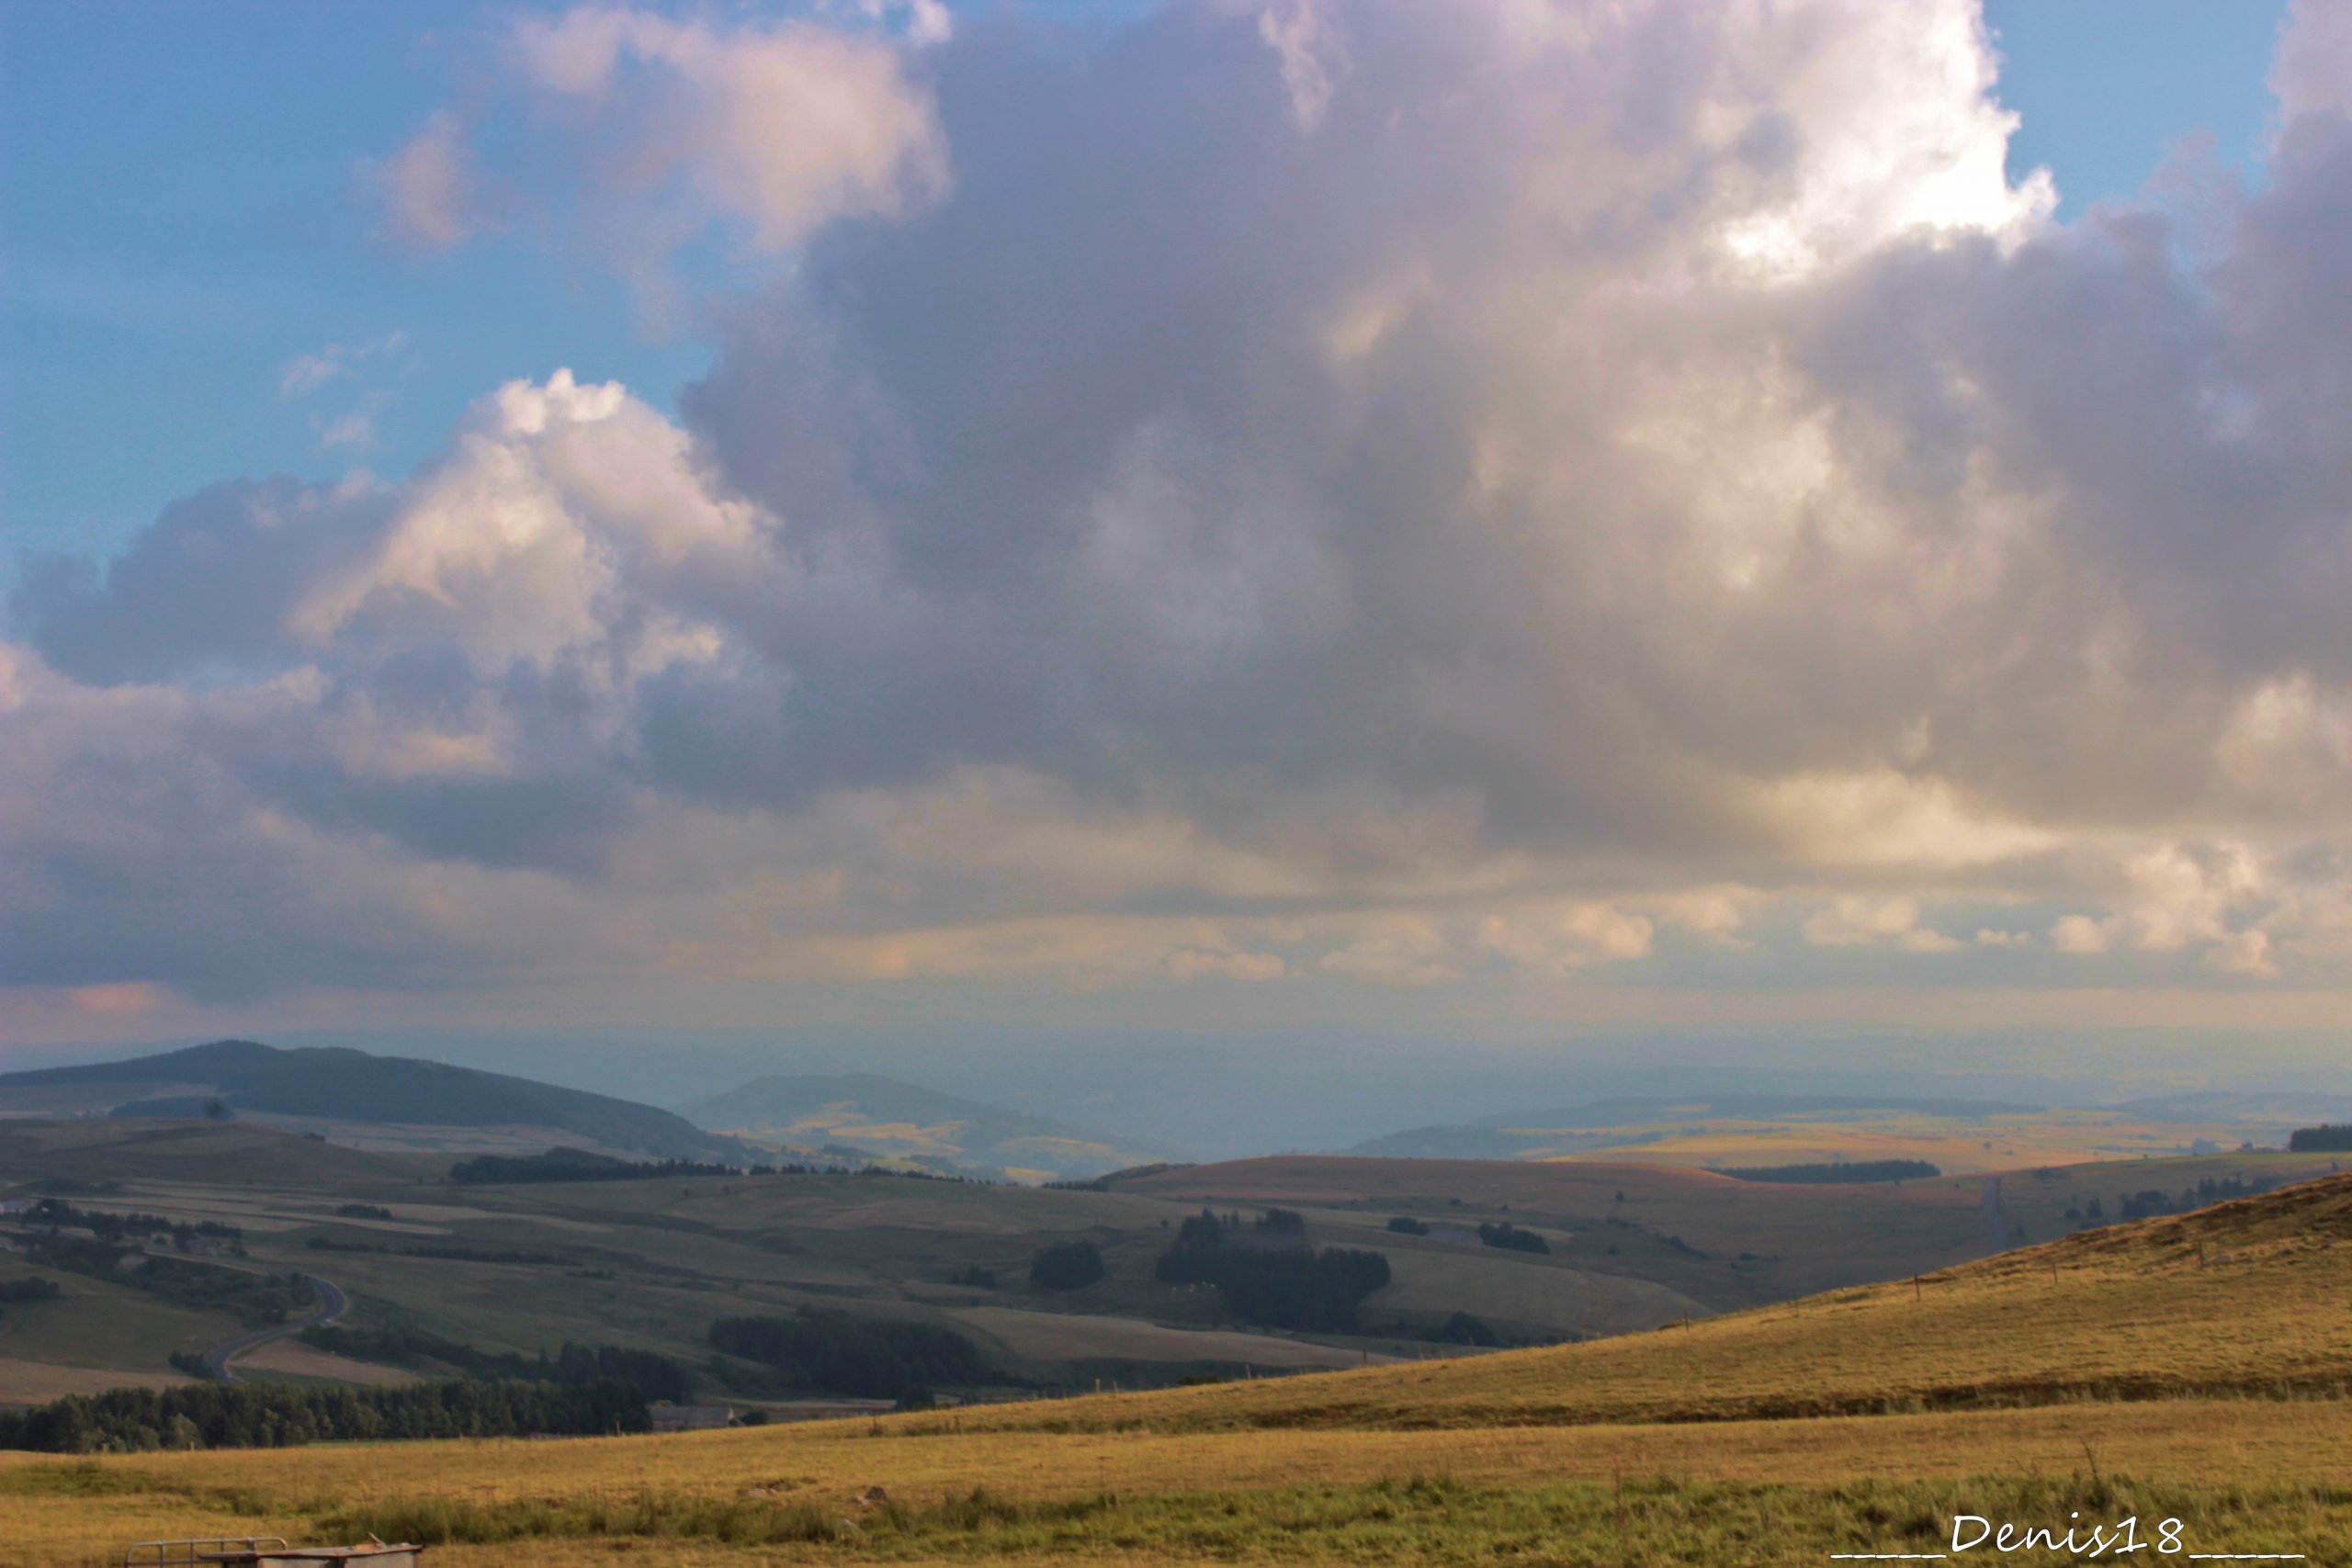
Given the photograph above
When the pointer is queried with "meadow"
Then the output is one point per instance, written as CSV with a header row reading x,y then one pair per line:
x,y
649,1264
2194,1368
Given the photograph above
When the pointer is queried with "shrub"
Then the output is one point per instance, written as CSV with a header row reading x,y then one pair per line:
x,y
1067,1266
1509,1237
1405,1225
1463,1329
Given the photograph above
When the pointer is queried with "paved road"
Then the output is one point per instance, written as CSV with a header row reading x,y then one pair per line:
x,y
217,1359
1993,1213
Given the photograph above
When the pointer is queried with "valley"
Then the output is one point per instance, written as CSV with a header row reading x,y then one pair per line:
x,y
2188,1367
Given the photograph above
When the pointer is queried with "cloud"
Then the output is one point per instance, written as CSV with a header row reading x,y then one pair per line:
x,y
313,369
1335,493
787,127
634,131
1307,41
1856,920
2082,935
429,194
354,429
117,1001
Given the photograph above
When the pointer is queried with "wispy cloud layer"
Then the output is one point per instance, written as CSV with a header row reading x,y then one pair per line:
x,y
1377,491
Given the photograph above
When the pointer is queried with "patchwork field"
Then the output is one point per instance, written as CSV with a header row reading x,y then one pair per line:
x,y
650,1264
2193,1367
1958,1145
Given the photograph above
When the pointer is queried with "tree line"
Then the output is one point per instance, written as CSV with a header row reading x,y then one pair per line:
x,y
652,1374
2151,1202
269,1415
819,1352
112,1227
580,1165
573,1164
2325,1139
1284,1285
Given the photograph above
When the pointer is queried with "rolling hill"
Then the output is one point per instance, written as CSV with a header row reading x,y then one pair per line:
x,y
2187,1370
2243,1299
864,1112
355,1089
1721,1131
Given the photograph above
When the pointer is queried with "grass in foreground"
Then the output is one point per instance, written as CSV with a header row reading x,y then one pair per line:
x,y
1551,1456
1244,1495
1427,1517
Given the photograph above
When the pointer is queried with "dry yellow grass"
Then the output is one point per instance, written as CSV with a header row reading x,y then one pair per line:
x,y
1959,1145
1037,1335
2245,1298
26,1381
2084,1359
66,1511
292,1355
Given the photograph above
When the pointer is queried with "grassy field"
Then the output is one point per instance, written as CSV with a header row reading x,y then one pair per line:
x,y
2195,1368
94,1333
1731,1493
650,1264
1961,1146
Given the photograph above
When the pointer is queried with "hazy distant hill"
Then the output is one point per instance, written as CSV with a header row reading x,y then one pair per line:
x,y
339,1085
865,1111
1635,1111
1599,1123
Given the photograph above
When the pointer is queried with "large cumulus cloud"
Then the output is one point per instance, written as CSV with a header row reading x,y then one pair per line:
x,y
1375,490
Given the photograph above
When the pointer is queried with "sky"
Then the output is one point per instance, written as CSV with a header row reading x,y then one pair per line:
x,y
1233,515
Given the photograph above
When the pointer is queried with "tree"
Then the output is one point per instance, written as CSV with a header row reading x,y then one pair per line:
x,y
1067,1266
1508,1236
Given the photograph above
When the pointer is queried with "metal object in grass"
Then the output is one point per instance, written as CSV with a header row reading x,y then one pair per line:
x,y
265,1552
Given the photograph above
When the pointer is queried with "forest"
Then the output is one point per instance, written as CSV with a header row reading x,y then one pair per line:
x,y
656,1376
270,1414
815,1350
1284,1285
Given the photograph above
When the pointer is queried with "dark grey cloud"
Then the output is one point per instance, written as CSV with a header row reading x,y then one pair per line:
x,y
1472,488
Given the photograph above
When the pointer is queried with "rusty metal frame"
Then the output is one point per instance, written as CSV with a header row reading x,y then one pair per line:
x,y
178,1554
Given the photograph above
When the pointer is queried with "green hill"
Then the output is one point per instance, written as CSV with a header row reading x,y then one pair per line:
x,y
864,1110
336,1084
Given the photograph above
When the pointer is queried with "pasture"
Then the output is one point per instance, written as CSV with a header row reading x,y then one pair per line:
x,y
2193,1367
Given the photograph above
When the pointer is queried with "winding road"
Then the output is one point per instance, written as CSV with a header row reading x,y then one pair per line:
x,y
332,1302
1993,1213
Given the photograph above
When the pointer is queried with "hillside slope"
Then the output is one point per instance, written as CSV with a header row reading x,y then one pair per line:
x,y
1682,1446
865,1110
1724,1242
2245,1298
98,1151
342,1084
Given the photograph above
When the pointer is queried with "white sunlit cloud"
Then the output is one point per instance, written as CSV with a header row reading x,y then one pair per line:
x,y
1562,492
